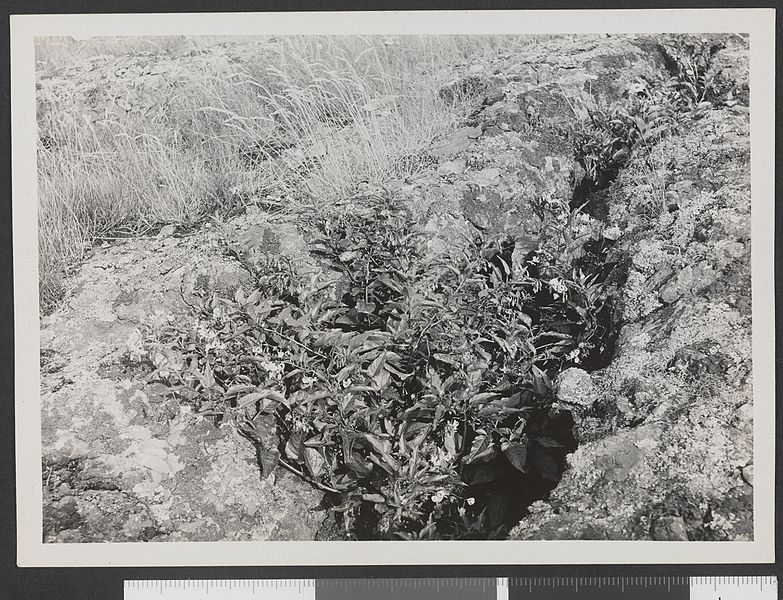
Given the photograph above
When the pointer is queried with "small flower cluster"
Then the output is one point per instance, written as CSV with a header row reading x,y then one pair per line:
x,y
559,288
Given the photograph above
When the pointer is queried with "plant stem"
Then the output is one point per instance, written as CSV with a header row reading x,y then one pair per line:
x,y
307,478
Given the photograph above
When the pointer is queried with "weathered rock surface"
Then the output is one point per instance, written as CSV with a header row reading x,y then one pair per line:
x,y
665,430
122,461
666,448
678,390
515,149
575,389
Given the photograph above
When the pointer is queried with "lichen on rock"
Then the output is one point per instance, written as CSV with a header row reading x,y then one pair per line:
x,y
122,461
678,391
662,410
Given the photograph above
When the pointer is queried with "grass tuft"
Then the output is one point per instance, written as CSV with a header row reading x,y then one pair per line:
x,y
301,120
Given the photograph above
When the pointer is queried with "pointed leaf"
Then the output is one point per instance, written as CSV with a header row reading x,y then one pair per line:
x,y
264,394
382,379
541,382
295,445
377,365
314,461
516,454
269,460
374,498
483,397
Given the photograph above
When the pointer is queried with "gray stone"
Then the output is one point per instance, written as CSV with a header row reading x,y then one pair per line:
x,y
452,167
747,474
694,408
456,142
167,231
575,387
670,529
485,178
123,461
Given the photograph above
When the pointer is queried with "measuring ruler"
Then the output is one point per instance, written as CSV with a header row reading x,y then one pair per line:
x,y
503,588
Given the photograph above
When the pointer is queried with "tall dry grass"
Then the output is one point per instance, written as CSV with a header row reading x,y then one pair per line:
x,y
304,120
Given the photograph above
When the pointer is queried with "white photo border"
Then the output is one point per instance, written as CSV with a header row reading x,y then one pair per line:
x,y
31,551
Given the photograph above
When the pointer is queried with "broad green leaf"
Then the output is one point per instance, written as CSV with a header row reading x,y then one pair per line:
x,y
541,382
382,379
377,365
295,445
235,390
263,394
374,498
268,460
445,358
365,308
348,256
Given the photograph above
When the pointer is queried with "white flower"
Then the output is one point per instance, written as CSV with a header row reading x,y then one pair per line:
x,y
439,496
558,287
274,370
471,501
440,458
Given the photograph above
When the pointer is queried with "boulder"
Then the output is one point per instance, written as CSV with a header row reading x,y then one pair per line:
x,y
666,449
670,529
122,460
575,388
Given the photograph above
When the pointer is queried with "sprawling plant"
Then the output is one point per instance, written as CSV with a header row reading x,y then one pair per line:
x,y
404,389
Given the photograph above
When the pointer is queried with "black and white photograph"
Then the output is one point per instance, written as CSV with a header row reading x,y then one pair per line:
x,y
412,287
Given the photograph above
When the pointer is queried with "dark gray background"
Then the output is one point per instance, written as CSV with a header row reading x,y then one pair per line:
x,y
106,583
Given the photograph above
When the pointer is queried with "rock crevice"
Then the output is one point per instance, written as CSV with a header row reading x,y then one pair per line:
x,y
668,388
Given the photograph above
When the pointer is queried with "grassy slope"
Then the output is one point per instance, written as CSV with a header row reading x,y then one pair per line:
x,y
209,123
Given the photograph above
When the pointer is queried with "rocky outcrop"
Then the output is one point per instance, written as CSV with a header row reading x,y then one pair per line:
x,y
122,460
678,390
665,430
666,450
515,149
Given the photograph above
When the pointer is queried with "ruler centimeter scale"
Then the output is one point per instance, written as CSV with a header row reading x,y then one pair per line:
x,y
479,588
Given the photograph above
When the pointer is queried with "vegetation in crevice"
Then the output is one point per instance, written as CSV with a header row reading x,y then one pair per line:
x,y
607,136
688,60
413,375
417,389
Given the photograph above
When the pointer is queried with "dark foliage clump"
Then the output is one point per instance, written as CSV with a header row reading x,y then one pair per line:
x,y
410,387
